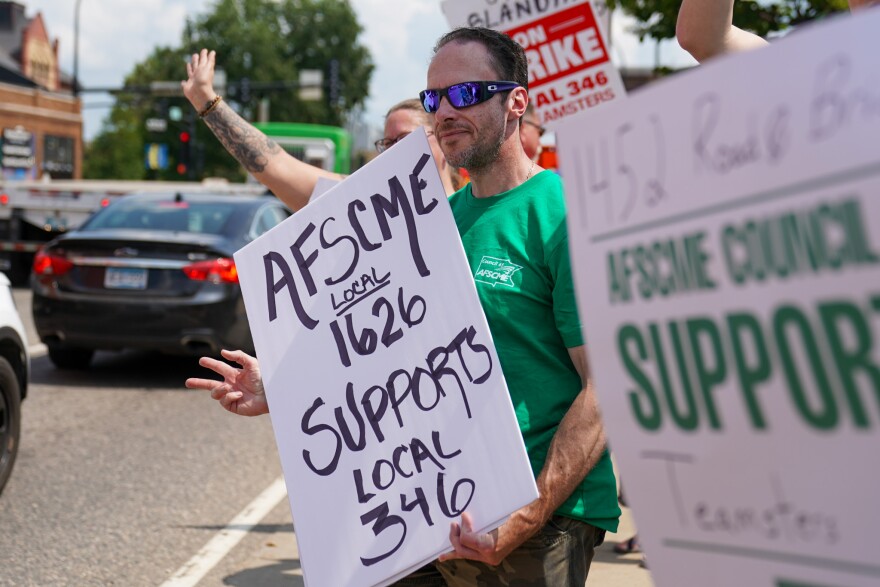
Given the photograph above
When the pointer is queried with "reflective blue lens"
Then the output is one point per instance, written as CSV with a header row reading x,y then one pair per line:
x,y
430,100
464,95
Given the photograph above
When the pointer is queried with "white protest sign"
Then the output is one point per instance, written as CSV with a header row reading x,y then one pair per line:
x,y
725,235
387,399
570,69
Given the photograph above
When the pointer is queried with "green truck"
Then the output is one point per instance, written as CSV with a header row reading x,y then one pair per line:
x,y
327,147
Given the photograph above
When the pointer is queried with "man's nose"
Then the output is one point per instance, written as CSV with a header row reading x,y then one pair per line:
x,y
445,110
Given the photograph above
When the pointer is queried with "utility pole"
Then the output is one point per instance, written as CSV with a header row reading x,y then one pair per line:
x,y
76,49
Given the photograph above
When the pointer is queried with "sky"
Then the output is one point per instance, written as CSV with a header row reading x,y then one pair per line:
x,y
115,35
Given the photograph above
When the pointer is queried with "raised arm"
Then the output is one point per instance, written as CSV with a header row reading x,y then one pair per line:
x,y
705,29
287,177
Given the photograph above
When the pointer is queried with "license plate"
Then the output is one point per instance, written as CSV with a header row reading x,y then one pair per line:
x,y
125,278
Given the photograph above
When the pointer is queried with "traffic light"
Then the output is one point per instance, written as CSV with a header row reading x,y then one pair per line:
x,y
185,148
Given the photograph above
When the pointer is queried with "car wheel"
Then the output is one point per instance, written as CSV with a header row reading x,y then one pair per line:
x,y
10,420
70,357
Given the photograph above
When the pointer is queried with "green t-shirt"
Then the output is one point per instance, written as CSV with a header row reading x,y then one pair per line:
x,y
517,246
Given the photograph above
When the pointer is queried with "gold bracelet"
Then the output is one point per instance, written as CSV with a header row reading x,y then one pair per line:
x,y
210,107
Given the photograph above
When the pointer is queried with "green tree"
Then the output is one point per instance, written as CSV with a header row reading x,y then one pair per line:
x,y
656,18
258,43
118,150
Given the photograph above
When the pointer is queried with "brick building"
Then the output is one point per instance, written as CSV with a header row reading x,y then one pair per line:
x,y
40,120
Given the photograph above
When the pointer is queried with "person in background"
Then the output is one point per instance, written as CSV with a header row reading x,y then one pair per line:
x,y
403,118
530,132
705,28
290,179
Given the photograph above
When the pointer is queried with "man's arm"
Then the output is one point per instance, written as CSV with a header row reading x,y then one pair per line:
x,y
575,449
705,29
287,177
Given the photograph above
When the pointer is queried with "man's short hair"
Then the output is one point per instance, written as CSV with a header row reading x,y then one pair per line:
x,y
508,57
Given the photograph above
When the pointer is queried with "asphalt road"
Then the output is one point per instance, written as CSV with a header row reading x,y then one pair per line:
x,y
123,475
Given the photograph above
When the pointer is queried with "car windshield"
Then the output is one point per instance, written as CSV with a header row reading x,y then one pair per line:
x,y
169,215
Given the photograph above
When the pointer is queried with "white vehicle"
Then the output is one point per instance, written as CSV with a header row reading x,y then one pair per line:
x,y
14,369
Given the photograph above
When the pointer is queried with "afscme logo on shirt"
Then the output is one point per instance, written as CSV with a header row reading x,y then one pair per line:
x,y
495,271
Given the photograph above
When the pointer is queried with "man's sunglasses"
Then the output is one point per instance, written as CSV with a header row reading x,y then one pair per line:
x,y
464,94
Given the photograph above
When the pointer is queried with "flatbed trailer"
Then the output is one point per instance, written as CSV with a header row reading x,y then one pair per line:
x,y
34,212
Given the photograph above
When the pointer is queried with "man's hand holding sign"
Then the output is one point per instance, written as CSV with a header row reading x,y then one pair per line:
x,y
576,448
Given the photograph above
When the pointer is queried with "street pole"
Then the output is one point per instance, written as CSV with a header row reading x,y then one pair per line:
x,y
76,50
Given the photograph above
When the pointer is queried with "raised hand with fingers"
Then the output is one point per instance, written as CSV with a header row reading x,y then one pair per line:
x,y
199,85
241,391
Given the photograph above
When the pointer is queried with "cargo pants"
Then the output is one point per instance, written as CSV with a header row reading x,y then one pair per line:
x,y
559,555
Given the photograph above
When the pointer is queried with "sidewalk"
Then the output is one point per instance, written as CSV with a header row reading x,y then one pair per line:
x,y
277,563
612,570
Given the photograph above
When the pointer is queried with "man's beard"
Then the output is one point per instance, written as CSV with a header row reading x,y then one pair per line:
x,y
481,153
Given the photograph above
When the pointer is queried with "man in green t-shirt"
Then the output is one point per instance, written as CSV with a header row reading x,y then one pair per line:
x,y
511,218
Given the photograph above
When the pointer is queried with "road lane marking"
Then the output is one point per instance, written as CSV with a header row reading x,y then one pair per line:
x,y
224,541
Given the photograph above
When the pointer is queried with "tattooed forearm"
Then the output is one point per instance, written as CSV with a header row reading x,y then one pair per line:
x,y
249,146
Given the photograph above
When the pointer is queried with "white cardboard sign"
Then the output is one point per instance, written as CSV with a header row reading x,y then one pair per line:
x,y
570,69
387,399
724,228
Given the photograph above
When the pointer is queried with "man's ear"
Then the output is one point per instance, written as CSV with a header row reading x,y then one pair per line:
x,y
518,100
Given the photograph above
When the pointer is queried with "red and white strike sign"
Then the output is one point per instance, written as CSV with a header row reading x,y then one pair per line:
x,y
569,66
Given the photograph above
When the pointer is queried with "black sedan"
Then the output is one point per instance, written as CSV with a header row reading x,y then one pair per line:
x,y
150,271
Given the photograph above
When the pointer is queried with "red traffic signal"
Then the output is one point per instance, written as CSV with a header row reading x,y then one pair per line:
x,y
184,137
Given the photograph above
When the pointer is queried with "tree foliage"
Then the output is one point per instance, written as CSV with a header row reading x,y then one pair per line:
x,y
117,152
656,18
257,42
